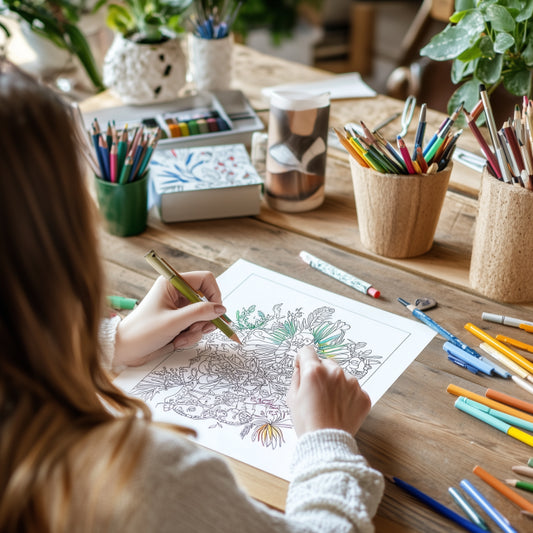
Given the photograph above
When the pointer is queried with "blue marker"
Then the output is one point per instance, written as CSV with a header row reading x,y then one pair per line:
x,y
449,336
470,360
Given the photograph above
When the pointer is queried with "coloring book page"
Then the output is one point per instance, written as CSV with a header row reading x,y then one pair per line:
x,y
234,395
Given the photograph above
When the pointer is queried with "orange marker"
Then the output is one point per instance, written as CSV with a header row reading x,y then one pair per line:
x,y
526,327
509,400
459,391
515,343
503,489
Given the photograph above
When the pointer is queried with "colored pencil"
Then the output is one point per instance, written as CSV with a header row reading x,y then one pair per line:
x,y
467,508
523,470
524,485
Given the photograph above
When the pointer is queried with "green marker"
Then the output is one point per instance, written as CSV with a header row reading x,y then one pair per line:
x,y
121,302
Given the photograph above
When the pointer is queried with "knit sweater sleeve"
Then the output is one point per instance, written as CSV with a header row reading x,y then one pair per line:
x,y
182,487
331,479
106,335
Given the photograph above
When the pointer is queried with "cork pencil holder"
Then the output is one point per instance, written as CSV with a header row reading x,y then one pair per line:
x,y
398,214
502,250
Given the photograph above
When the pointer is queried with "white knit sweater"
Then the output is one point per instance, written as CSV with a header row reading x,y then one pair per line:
x,y
181,487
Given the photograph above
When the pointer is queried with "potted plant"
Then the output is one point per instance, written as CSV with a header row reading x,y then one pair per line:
x,y
58,21
489,42
145,62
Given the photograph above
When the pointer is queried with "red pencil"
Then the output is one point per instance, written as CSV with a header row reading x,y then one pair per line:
x,y
406,156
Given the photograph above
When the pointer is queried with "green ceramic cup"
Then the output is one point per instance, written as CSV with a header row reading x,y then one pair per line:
x,y
124,208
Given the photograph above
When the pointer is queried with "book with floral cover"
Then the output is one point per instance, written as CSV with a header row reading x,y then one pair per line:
x,y
205,182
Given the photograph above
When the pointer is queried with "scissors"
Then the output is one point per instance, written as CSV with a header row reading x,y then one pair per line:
x,y
407,114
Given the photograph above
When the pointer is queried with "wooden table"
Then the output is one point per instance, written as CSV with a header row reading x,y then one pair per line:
x,y
414,431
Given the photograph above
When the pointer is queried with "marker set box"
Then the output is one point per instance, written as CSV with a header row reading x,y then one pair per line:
x,y
204,119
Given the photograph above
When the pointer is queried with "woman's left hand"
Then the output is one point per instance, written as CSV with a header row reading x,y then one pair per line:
x,y
165,316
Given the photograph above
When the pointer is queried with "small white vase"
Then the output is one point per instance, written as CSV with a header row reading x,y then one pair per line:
x,y
211,62
145,73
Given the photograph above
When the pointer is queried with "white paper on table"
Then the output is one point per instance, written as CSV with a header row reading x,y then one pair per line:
x,y
349,85
234,395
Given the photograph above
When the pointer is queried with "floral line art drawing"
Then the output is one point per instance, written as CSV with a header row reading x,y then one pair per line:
x,y
245,385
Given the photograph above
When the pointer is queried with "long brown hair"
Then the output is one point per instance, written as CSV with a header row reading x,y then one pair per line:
x,y
54,395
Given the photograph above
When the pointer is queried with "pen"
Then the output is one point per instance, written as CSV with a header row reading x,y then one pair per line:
x,y
502,522
435,505
505,320
511,354
512,366
446,334
339,275
467,508
496,423
162,267
421,129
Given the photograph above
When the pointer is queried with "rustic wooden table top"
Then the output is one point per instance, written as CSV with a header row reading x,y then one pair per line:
x,y
414,432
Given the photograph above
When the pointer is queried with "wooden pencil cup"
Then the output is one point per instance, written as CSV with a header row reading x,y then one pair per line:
x,y
398,214
502,251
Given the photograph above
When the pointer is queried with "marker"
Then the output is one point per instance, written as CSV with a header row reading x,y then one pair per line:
x,y
511,354
502,488
435,505
457,353
496,423
513,367
339,275
509,419
121,302
162,267
515,343
467,508
449,336
505,320
502,522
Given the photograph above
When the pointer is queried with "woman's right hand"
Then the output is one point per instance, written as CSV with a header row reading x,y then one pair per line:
x,y
323,396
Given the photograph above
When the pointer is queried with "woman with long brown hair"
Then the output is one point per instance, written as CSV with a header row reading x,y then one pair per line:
x,y
76,454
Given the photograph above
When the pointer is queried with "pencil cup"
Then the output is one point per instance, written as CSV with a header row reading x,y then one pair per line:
x,y
502,250
124,208
210,62
296,154
398,214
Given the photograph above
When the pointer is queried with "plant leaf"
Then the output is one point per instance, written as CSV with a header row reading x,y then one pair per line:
x,y
448,44
500,18
467,93
517,82
503,42
489,69
526,12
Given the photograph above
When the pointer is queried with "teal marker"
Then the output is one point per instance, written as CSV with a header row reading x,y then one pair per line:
x,y
510,419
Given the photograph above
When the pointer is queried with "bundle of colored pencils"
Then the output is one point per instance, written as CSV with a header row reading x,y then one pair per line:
x,y
122,159
211,21
371,150
510,158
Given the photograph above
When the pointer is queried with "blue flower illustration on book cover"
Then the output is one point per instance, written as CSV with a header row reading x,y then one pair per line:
x,y
203,167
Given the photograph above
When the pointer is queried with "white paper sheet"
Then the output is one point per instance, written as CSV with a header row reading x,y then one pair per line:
x,y
234,396
349,85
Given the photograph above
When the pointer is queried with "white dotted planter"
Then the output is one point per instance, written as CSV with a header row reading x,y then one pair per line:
x,y
145,73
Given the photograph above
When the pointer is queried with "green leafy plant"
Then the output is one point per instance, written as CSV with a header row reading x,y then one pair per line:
x,y
489,42
57,21
147,21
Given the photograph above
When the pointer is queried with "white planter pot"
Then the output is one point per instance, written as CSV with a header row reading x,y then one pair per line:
x,y
211,62
145,73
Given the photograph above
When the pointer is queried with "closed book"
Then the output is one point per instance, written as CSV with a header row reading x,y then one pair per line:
x,y
205,182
